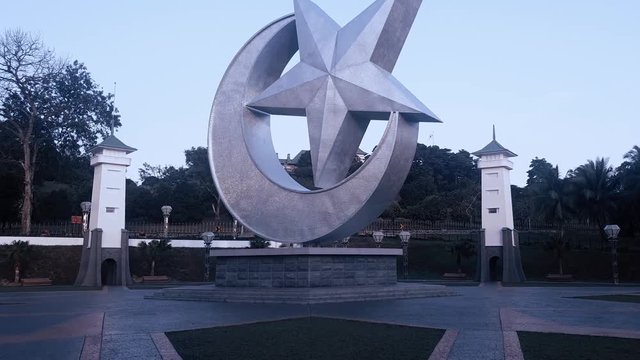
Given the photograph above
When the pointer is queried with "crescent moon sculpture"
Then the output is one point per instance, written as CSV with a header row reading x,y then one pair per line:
x,y
342,82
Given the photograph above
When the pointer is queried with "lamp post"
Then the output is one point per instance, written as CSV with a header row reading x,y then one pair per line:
x,y
404,240
377,238
166,211
86,209
612,233
345,241
235,229
208,238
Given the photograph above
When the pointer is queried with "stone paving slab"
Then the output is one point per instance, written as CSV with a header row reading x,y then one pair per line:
x,y
56,325
132,346
512,349
478,345
44,349
442,350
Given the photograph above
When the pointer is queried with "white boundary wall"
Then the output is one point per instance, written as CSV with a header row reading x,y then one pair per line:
x,y
54,241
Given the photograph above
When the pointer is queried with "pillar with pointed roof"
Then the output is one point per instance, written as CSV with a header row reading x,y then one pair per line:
x,y
499,255
105,255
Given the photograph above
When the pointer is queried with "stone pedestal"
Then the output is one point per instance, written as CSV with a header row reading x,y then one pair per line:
x,y
305,267
304,276
500,263
104,266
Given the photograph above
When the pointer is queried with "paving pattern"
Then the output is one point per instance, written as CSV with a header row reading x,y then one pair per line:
x,y
117,323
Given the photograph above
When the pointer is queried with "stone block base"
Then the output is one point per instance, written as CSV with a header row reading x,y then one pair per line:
x,y
305,267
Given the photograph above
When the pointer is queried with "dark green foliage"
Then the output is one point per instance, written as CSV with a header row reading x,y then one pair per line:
x,y
18,255
189,190
541,346
441,185
463,249
259,243
180,264
628,204
595,191
307,338
154,251
551,197
430,259
48,109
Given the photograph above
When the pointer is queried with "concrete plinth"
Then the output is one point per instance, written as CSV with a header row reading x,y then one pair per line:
x,y
500,263
104,266
305,267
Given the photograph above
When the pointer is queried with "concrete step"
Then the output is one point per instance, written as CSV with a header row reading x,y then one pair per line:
x,y
301,295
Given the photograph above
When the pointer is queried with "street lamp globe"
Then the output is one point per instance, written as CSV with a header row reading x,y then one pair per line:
x,y
404,236
208,237
85,206
377,237
612,231
166,210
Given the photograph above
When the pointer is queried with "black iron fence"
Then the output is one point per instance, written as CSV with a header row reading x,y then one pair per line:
x,y
226,229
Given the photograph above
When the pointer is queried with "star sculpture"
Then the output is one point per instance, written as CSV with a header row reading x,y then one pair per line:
x,y
344,80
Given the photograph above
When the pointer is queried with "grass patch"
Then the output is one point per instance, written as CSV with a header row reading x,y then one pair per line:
x,y
616,298
307,338
541,346
534,283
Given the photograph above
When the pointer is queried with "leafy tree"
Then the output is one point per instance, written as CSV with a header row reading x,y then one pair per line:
x,y
154,251
189,190
441,185
539,170
45,103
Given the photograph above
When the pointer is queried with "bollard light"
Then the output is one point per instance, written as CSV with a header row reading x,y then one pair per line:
x,y
404,240
86,209
378,236
166,211
612,232
207,237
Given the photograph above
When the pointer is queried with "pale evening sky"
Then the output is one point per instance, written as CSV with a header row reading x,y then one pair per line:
x,y
559,79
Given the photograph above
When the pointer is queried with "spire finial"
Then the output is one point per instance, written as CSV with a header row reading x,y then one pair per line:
x,y
113,115
494,133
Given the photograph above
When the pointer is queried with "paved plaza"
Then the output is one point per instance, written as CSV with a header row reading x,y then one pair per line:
x,y
118,323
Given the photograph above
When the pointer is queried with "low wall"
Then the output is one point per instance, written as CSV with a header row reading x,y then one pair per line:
x,y
305,267
56,241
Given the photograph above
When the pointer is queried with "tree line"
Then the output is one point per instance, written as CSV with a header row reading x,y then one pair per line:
x,y
52,112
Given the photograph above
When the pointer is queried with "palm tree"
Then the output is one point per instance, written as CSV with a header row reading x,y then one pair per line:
x,y
552,201
19,253
154,250
628,174
595,191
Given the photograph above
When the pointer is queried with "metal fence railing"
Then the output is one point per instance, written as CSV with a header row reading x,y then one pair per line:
x,y
225,229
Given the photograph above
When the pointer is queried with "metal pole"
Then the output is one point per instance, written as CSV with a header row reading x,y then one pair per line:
x,y
166,226
206,261
614,260
405,258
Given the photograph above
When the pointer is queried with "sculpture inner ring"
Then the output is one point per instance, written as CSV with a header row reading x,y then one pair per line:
x,y
250,179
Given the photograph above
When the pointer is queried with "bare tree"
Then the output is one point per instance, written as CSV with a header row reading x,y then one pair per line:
x,y
26,70
46,103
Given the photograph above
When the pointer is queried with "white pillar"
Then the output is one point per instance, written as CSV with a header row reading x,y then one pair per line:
x,y
108,197
497,209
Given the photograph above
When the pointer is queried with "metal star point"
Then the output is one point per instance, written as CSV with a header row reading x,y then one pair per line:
x,y
343,81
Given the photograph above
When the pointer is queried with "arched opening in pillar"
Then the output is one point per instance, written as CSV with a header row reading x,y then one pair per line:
x,y
109,272
495,269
